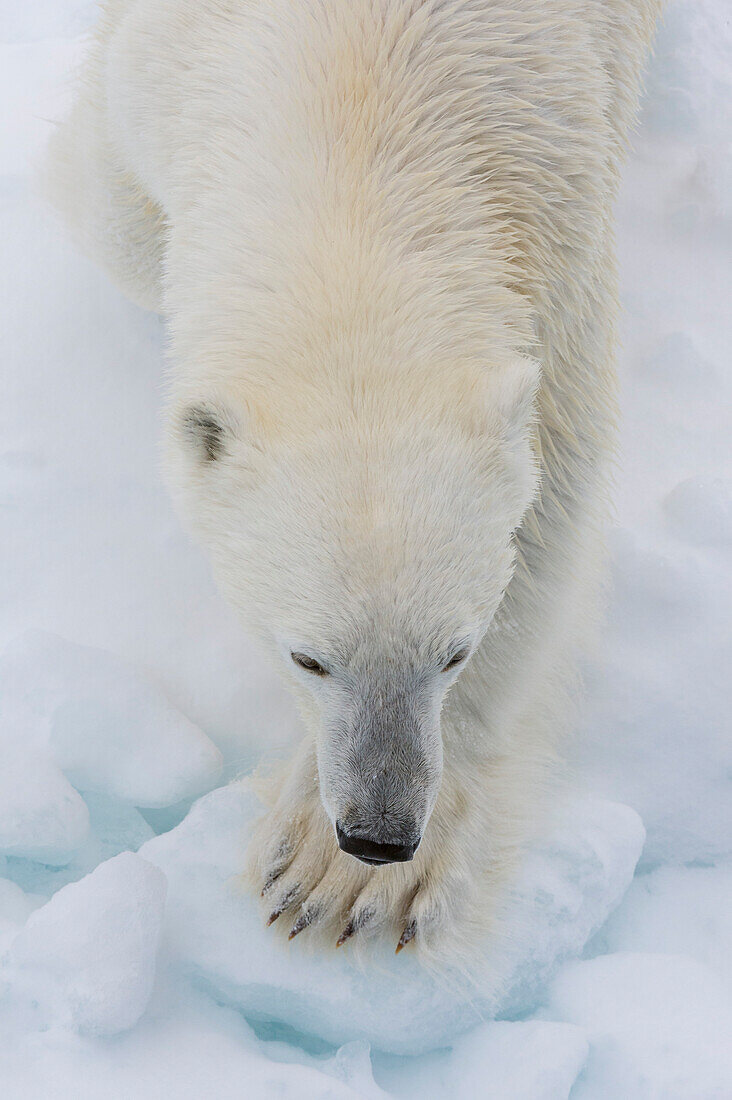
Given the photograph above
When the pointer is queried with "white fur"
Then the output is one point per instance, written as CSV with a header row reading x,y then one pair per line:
x,y
366,222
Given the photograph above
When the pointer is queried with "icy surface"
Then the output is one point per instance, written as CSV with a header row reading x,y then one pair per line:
x,y
15,908
41,815
521,1061
659,1026
106,726
87,957
217,930
657,725
676,910
187,1052
123,675
114,827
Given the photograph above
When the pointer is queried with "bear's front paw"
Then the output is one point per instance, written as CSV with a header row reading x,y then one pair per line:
x,y
295,862
299,870
424,901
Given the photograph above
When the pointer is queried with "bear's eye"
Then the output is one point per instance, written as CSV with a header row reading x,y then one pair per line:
x,y
309,664
457,659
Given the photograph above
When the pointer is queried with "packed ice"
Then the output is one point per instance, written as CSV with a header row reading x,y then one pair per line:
x,y
42,817
87,957
106,726
658,1025
132,960
570,884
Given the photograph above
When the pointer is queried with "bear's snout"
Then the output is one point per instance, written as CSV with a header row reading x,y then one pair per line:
x,y
376,852
380,765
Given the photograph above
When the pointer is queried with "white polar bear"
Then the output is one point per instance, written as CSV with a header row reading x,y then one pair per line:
x,y
380,234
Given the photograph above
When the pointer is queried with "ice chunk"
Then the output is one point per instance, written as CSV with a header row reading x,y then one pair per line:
x,y
111,729
352,1065
114,827
659,1026
677,910
130,742
15,908
534,1060
41,815
570,885
190,1051
87,957
653,585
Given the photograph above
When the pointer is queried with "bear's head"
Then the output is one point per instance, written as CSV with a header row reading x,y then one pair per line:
x,y
364,530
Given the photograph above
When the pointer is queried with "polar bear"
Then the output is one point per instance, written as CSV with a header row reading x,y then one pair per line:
x,y
380,234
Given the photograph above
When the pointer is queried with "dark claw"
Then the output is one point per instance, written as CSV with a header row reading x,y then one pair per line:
x,y
270,881
302,923
280,861
407,935
355,924
346,933
285,903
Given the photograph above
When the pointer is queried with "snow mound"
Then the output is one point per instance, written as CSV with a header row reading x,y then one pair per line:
x,y
659,1026
679,911
15,908
42,817
107,727
114,827
570,884
193,1051
532,1060
87,957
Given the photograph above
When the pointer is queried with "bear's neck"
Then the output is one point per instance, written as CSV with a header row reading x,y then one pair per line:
x,y
348,219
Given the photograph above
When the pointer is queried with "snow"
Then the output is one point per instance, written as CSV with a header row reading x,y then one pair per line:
x,y
676,910
216,931
186,1051
45,19
42,817
114,827
532,1059
700,510
15,908
127,690
658,1025
109,728
87,957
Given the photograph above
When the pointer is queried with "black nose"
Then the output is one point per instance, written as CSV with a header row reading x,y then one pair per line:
x,y
374,851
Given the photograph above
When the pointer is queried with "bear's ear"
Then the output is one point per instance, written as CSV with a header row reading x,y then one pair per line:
x,y
209,430
512,390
